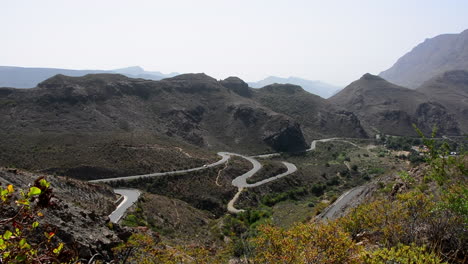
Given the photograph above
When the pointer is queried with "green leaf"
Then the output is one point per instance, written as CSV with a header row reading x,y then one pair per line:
x,y
20,258
44,183
22,201
7,235
2,242
34,191
24,244
35,224
58,249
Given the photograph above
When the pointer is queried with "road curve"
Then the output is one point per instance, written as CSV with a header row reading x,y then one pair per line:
x,y
130,196
241,182
224,158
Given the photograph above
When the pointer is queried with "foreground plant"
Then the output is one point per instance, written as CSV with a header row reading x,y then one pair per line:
x,y
23,240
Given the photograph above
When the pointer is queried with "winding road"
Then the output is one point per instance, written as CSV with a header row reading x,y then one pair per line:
x,y
130,196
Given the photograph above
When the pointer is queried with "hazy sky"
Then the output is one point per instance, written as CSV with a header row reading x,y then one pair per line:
x,y
332,41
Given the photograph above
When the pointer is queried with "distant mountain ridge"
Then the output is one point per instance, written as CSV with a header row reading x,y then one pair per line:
x,y
429,59
319,88
194,108
21,77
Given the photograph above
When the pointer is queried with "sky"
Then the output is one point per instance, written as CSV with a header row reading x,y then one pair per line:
x,y
332,41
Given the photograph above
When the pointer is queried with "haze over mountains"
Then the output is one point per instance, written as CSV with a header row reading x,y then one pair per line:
x,y
19,77
199,110
105,125
319,88
194,108
438,67
434,56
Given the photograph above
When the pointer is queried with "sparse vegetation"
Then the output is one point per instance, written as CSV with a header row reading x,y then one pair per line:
x,y
270,169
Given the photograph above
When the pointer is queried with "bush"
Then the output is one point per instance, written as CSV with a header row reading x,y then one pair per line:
x,y
411,254
318,189
305,243
335,180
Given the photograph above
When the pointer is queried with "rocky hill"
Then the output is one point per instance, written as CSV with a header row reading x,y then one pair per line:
x,y
108,125
451,90
319,119
194,108
387,108
434,56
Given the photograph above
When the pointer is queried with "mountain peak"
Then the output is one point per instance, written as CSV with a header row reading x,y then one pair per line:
x,y
430,58
237,85
284,88
192,77
371,77
234,79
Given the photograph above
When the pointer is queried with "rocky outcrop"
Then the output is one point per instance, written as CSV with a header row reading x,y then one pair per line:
x,y
285,136
434,113
237,85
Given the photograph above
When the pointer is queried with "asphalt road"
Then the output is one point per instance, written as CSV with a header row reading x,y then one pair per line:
x,y
130,196
241,181
224,158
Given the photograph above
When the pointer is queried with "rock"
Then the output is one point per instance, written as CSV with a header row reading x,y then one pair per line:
x,y
287,137
237,85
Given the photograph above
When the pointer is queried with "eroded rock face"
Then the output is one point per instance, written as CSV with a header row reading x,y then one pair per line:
x,y
285,136
278,131
434,113
185,123
248,115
